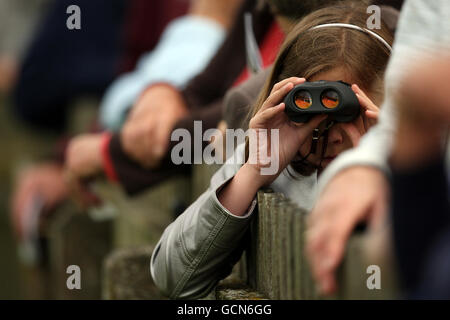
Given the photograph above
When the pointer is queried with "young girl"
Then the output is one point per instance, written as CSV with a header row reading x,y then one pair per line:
x,y
201,246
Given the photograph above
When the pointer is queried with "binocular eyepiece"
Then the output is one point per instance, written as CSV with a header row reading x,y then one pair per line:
x,y
335,98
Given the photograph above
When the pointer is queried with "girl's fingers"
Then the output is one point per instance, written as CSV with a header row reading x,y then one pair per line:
x,y
356,89
365,121
369,109
276,97
371,115
366,103
363,99
279,91
282,83
270,113
372,118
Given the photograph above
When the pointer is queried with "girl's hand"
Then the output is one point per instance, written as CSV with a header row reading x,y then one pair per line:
x,y
241,190
291,135
369,110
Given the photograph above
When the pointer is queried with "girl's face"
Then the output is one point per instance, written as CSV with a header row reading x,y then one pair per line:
x,y
341,136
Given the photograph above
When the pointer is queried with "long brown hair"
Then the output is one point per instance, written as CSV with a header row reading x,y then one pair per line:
x,y
306,53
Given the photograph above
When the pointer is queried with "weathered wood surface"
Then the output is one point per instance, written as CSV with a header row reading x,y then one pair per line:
x,y
279,267
234,288
281,271
126,275
141,220
274,266
76,238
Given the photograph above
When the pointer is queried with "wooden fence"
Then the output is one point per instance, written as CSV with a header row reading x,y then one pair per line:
x,y
117,248
275,267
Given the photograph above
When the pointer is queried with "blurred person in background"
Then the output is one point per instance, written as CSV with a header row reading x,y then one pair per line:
x,y
186,47
202,95
144,22
201,31
62,64
355,189
184,50
420,178
17,19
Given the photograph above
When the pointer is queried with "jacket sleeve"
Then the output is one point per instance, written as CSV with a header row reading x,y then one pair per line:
x,y
196,40
201,246
133,177
230,60
413,43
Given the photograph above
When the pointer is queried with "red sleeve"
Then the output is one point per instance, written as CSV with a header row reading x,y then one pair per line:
x,y
108,165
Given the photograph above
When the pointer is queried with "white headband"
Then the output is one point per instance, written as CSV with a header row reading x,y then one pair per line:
x,y
352,26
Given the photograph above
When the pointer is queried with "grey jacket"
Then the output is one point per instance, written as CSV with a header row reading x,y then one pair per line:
x,y
201,246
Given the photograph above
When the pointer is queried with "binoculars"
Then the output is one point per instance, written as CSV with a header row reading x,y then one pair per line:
x,y
334,98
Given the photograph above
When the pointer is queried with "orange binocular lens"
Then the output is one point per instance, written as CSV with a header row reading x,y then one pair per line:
x,y
303,100
330,99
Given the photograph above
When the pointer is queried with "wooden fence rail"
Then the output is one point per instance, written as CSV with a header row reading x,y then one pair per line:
x,y
276,265
273,267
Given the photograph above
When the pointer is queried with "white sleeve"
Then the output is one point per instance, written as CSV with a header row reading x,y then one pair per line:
x,y
186,47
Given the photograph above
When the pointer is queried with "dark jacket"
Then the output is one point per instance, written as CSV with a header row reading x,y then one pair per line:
x,y
203,96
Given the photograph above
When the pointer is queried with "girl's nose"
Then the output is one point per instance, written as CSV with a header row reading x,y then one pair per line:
x,y
335,135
